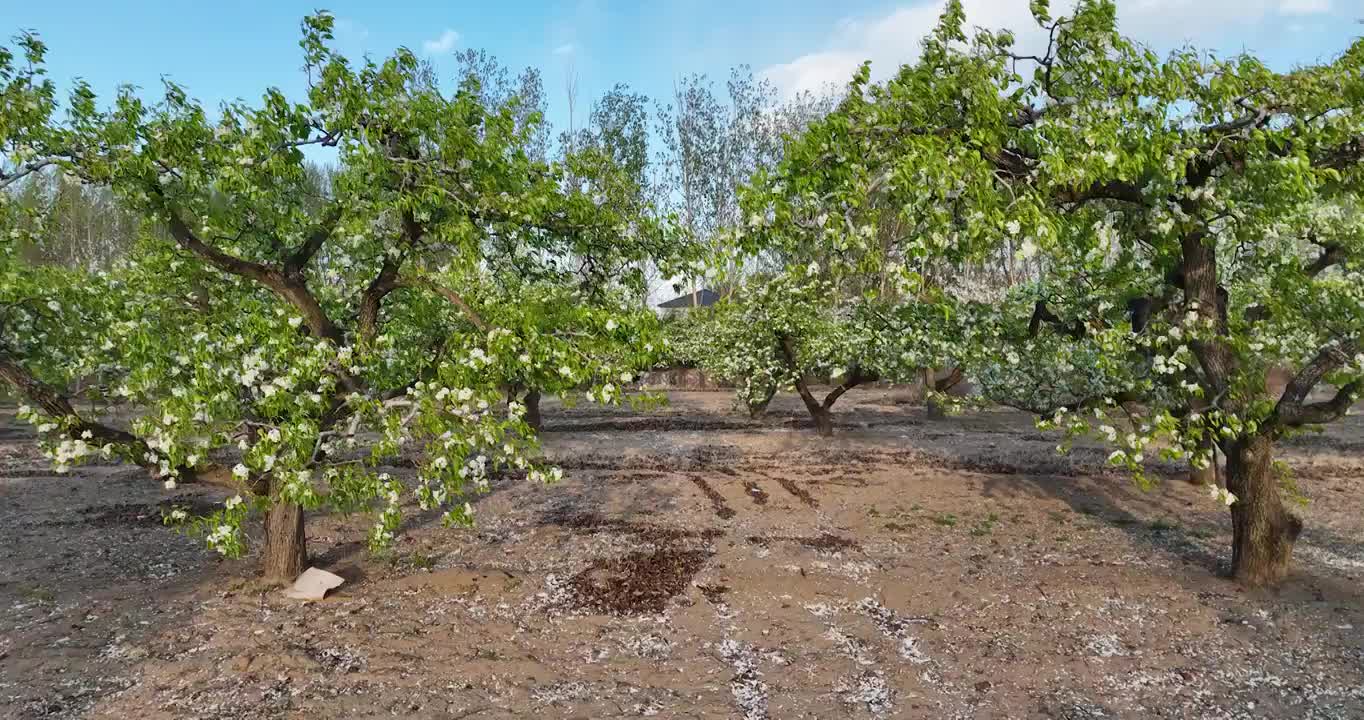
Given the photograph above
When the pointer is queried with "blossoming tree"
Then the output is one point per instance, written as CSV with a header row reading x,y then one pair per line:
x,y
307,336
1197,222
866,223
47,312
783,332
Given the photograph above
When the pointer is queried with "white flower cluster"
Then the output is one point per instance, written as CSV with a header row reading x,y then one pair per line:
x,y
70,451
382,534
553,475
222,538
1221,494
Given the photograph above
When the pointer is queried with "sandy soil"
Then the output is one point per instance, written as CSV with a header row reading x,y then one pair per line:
x,y
696,564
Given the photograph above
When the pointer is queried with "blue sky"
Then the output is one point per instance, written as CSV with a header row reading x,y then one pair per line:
x,y
231,49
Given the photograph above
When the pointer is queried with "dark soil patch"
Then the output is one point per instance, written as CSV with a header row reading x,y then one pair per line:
x,y
145,514
844,480
758,494
636,584
653,424
698,460
644,475
826,541
717,501
801,493
591,522
24,471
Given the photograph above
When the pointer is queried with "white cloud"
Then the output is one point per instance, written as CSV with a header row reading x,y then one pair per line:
x,y
887,42
894,39
352,38
441,45
566,49
1304,7
349,30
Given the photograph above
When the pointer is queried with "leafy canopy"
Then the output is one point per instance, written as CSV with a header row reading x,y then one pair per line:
x,y
314,333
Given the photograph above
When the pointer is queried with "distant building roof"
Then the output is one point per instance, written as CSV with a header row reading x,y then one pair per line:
x,y
699,298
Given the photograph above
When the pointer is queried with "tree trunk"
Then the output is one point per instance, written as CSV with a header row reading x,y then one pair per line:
x,y
824,423
286,547
1263,531
824,420
533,417
933,408
758,406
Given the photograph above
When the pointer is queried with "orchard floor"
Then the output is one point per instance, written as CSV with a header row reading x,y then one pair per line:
x,y
695,564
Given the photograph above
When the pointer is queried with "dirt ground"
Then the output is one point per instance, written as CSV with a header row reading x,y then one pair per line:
x,y
696,564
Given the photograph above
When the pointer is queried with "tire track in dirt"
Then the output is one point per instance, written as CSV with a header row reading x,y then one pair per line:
x,y
801,493
758,495
790,486
826,542
717,501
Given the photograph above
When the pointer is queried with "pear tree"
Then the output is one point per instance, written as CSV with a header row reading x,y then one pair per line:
x,y
1197,224
865,223
304,339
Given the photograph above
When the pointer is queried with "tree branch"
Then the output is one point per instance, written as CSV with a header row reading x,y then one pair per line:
x,y
855,377
1108,190
1331,254
1257,118
1199,276
1041,314
299,259
291,289
1290,411
1320,413
952,380
788,349
23,171
57,405
454,298
372,299
1342,156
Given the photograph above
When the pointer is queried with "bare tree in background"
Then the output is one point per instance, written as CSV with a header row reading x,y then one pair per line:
x,y
497,85
571,95
82,226
710,145
618,126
